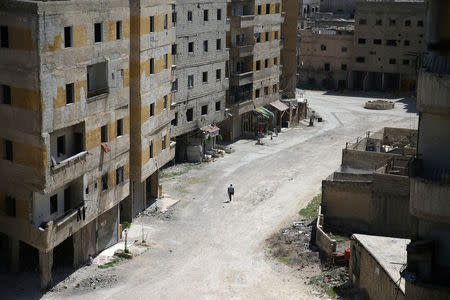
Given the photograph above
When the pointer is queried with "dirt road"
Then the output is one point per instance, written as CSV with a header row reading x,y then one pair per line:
x,y
214,250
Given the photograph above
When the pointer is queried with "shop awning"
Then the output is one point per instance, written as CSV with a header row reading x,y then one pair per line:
x,y
261,111
279,105
209,129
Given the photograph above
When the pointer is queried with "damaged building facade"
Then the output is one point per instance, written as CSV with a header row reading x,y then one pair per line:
x,y
200,82
388,44
151,68
255,43
64,130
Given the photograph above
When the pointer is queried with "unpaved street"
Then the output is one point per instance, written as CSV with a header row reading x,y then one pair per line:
x,y
208,249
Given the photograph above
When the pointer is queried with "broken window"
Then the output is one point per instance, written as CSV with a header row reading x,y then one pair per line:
x,y
68,41
189,16
266,63
152,109
165,102
191,47
105,182
205,77
119,127
152,24
204,110
70,95
5,94
119,175
189,114
217,105
98,34
61,145
104,134
205,15
118,30
4,37
97,79
205,46
53,204
10,208
190,81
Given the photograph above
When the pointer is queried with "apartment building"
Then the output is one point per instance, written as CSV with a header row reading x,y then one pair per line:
x,y
255,67
326,56
289,50
64,130
151,72
428,255
200,83
388,43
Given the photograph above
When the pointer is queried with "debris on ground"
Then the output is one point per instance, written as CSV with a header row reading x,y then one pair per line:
x,y
98,281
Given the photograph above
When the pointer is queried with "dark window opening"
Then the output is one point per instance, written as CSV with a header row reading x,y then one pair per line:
x,y
175,85
69,93
105,182
266,90
152,66
217,105
344,67
152,24
166,61
407,22
406,61
218,44
267,36
344,49
326,67
406,43
379,22
98,36
205,46
219,14
419,23
119,127
360,59
151,150
275,88
10,208
361,41
323,47
175,120
53,204
275,61
362,21
165,102
205,77
4,37
152,109
118,30
205,15
66,199
164,142
119,175
68,37
391,43
104,134
190,81
97,79
6,94
258,65
257,93
204,110
392,61
189,16
174,49
191,47
267,8
266,63
218,74
61,145
166,21
377,42
189,114
392,22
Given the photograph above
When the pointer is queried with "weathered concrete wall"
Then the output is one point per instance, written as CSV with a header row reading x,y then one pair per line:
x,y
319,47
289,50
369,276
346,205
364,160
323,241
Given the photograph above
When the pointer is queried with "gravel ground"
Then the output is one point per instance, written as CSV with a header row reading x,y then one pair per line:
x,y
209,249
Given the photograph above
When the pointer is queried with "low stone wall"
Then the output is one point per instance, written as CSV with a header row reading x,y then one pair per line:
x,y
379,105
323,241
364,160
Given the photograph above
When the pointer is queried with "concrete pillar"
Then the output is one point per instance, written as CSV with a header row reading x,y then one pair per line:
x,y
14,246
45,268
382,81
78,252
155,184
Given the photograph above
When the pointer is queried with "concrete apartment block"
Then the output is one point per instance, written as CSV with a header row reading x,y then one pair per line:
x,y
428,268
64,129
255,62
151,67
388,42
326,57
200,82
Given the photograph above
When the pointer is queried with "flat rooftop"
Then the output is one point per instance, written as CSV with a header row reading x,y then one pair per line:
x,y
389,253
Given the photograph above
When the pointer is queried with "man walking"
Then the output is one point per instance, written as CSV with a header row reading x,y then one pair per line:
x,y
230,191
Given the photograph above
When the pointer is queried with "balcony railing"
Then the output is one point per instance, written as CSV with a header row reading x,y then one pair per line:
x,y
71,160
97,92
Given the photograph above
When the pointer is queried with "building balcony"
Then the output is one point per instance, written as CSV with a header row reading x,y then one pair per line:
x,y
240,79
433,92
243,21
275,71
430,193
242,49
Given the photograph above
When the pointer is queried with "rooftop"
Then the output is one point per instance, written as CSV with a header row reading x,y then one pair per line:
x,y
390,253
